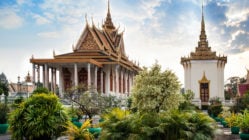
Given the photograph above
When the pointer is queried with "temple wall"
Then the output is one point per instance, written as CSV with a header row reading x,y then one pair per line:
x,y
213,73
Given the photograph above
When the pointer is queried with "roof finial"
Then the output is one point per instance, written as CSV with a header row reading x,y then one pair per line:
x,y
108,21
203,37
202,22
109,6
86,19
53,53
202,8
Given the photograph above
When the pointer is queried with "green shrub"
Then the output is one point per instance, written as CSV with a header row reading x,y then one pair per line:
x,y
39,90
146,126
243,121
215,110
4,110
215,107
39,117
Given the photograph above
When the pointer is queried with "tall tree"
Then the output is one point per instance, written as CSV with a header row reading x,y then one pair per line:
x,y
4,90
155,90
231,90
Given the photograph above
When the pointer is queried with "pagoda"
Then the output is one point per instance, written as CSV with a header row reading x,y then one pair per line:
x,y
204,70
98,60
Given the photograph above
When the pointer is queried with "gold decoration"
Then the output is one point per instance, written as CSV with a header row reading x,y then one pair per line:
x,y
89,43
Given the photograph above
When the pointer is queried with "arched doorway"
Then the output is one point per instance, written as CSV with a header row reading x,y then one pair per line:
x,y
204,89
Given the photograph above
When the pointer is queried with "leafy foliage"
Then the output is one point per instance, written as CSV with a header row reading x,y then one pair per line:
x,y
187,103
81,133
154,90
39,90
243,121
215,107
39,117
91,102
147,126
231,86
17,102
4,89
156,99
225,112
4,110
242,103
232,120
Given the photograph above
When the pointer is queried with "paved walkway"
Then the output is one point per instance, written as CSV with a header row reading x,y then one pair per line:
x,y
225,134
5,137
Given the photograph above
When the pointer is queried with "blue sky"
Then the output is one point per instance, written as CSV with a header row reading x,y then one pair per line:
x,y
163,30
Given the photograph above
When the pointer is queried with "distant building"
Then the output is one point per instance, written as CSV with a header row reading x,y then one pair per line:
x,y
98,60
244,87
204,70
22,88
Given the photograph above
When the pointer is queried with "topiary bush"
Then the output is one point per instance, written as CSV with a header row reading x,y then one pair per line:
x,y
39,117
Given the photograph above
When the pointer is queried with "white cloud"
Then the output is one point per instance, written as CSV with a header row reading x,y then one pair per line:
x,y
9,19
40,20
48,34
236,15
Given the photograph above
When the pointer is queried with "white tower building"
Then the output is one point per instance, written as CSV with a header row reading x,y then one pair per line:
x,y
204,70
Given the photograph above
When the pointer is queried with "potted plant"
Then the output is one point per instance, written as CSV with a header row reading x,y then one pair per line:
x,y
243,123
4,110
233,123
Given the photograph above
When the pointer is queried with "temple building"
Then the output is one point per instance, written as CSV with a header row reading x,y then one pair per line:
x,y
98,60
204,70
22,88
243,88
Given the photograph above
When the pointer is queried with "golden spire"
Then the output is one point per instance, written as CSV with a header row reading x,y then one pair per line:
x,y
108,21
203,37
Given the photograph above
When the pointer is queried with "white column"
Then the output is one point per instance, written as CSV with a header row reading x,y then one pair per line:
x,y
126,87
54,80
95,77
117,80
43,76
107,82
76,81
128,83
34,73
46,76
189,76
38,74
122,80
61,86
101,81
89,75
113,80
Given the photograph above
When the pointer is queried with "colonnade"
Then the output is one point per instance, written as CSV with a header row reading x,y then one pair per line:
x,y
119,84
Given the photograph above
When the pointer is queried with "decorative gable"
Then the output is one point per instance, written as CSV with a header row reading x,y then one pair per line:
x,y
89,43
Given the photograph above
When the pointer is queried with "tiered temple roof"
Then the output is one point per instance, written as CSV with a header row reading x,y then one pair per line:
x,y
96,46
203,51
